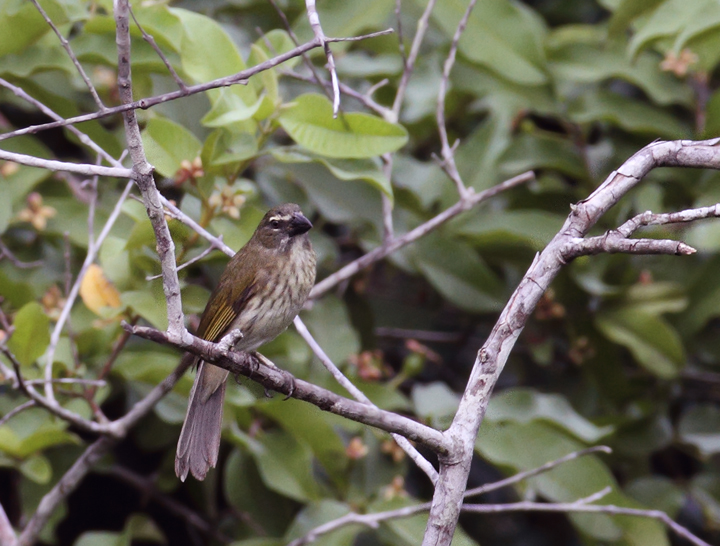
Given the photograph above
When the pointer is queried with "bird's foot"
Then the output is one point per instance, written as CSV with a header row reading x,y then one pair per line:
x,y
229,340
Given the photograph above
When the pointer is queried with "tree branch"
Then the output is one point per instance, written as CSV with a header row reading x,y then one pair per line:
x,y
282,382
493,355
53,165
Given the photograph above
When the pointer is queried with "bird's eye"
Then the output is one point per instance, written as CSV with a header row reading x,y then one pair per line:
x,y
275,224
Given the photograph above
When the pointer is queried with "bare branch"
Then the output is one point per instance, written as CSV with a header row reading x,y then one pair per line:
x,y
380,252
613,242
314,19
53,165
144,177
373,519
72,296
315,78
149,489
448,152
579,507
494,353
52,114
71,54
13,412
196,259
7,533
520,476
234,79
649,219
422,27
356,393
364,98
280,381
5,252
63,488
150,40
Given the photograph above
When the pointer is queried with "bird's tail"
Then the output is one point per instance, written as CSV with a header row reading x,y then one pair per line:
x,y
199,442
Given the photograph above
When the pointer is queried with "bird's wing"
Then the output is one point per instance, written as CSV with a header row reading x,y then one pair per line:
x,y
221,311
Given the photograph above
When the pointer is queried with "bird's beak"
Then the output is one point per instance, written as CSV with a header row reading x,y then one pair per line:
x,y
299,224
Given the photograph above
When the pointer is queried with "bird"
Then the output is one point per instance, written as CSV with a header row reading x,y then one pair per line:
x,y
262,289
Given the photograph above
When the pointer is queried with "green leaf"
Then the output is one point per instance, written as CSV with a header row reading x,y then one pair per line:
x,y
526,446
629,114
308,425
330,324
458,273
207,52
225,148
527,405
32,334
317,513
700,427
245,490
167,144
229,108
148,304
658,493
540,150
37,468
668,19
627,11
532,228
344,169
310,123
435,402
21,24
652,341
503,36
286,466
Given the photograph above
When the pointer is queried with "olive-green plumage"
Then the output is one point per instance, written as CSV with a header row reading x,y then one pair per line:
x,y
262,289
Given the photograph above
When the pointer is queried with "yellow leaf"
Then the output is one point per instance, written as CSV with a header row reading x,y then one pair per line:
x,y
97,292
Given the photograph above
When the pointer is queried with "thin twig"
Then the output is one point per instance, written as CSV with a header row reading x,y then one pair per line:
x,y
398,22
448,152
314,19
364,98
7,533
315,78
6,253
13,412
576,507
422,27
65,313
520,476
54,165
387,206
373,519
63,488
150,40
84,139
71,54
360,396
197,258
649,219
51,405
149,489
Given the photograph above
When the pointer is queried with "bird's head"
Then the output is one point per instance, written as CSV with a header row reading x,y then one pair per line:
x,y
281,225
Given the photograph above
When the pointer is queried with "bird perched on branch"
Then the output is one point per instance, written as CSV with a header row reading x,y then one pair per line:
x,y
262,289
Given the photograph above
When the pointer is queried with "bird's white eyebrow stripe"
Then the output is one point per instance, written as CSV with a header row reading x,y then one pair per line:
x,y
279,218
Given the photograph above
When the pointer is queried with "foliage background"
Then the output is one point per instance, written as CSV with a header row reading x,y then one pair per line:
x,y
623,351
